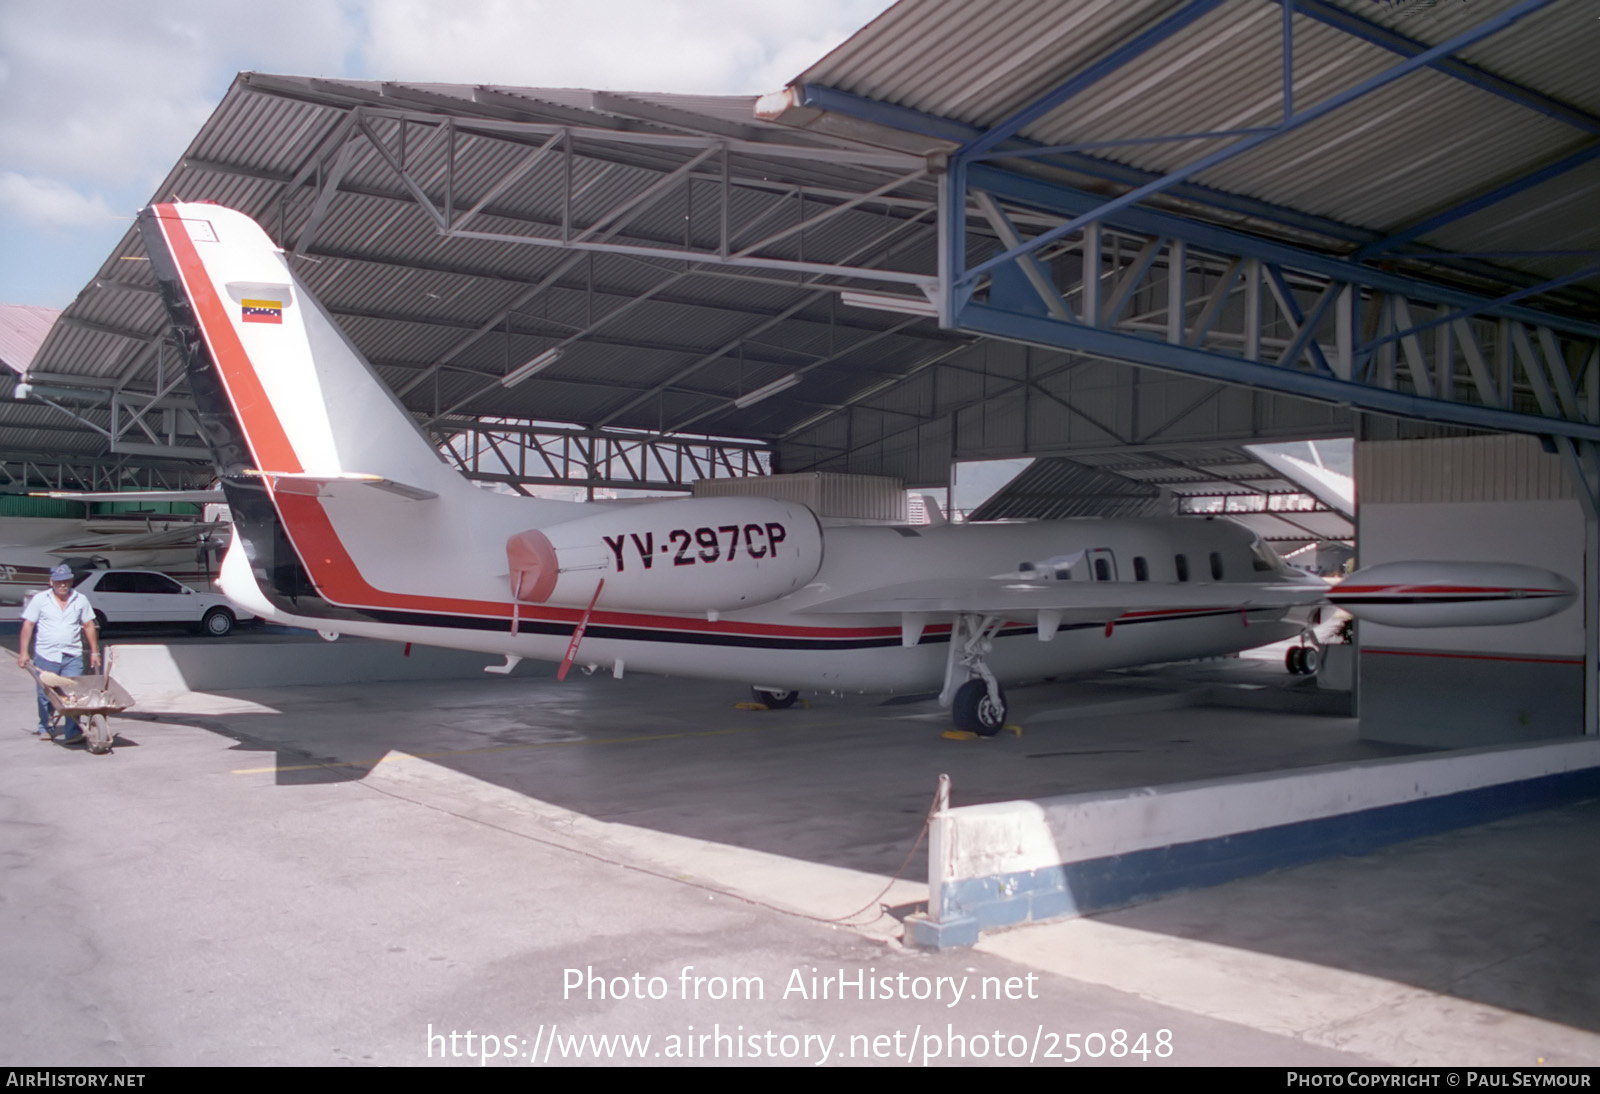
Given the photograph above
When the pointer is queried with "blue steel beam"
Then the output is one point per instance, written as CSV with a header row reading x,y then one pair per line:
x,y
1102,67
1094,146
1481,201
1483,30
906,119
1051,197
1395,42
1119,346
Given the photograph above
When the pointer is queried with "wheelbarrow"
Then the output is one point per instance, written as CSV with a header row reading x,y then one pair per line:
x,y
91,700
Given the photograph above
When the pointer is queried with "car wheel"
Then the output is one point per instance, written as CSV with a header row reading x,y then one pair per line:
x,y
218,623
99,619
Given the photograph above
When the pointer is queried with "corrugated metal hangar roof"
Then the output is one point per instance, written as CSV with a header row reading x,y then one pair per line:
x,y
443,318
676,264
1498,113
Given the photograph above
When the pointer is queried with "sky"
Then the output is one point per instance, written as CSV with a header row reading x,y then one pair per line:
x,y
99,98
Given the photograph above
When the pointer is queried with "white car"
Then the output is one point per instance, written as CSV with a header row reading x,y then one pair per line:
x,y
145,596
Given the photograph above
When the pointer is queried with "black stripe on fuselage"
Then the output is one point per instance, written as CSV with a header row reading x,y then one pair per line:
x,y
712,638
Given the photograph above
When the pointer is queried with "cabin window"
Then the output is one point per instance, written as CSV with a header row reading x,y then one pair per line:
x,y
1102,570
1141,572
1182,563
1216,566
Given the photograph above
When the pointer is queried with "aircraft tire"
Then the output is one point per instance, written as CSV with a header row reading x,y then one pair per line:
x,y
1294,661
775,700
975,712
1310,660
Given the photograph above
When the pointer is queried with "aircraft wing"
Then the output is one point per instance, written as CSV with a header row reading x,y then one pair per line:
x,y
195,496
186,535
1075,602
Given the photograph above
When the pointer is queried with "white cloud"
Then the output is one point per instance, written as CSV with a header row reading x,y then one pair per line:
x,y
704,46
101,97
109,90
50,204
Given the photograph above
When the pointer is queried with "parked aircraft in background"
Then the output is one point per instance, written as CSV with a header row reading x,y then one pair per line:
x,y
347,520
187,550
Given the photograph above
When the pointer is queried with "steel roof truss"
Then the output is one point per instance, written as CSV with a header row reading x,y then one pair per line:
x,y
1349,334
493,451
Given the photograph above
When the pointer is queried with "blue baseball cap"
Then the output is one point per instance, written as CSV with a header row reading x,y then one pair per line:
x,y
62,572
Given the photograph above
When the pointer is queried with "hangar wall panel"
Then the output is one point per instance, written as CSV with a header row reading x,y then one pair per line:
x,y
999,400
1470,499
869,498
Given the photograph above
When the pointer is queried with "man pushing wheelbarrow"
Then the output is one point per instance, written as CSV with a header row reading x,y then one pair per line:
x,y
60,619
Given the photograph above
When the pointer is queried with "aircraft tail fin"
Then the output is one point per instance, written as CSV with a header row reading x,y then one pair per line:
x,y
283,392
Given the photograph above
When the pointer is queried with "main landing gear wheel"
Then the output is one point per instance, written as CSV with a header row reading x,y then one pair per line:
x,y
775,700
974,711
1302,660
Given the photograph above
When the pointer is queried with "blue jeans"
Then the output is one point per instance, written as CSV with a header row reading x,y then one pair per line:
x,y
71,666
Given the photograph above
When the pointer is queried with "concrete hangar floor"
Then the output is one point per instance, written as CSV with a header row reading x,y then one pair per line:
x,y
337,873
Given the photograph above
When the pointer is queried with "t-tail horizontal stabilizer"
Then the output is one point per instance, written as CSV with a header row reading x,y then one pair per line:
x,y
1452,594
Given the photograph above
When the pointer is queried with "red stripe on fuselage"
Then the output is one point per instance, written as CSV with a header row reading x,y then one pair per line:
x,y
1485,591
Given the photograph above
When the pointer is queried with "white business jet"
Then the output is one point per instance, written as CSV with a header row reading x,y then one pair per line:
x,y
347,520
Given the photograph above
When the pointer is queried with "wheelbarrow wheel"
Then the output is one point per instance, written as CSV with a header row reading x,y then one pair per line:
x,y
98,729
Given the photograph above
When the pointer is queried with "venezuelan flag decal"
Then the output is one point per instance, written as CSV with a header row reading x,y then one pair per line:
x,y
261,311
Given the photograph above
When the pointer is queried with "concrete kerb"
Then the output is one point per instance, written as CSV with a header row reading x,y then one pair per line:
x,y
1006,863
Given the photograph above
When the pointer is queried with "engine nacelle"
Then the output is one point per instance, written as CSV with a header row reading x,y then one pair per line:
x,y
1452,594
694,555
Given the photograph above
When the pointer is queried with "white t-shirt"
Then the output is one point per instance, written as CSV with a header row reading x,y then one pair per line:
x,y
59,627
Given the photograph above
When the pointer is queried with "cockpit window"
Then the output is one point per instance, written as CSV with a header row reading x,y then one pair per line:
x,y
1264,560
